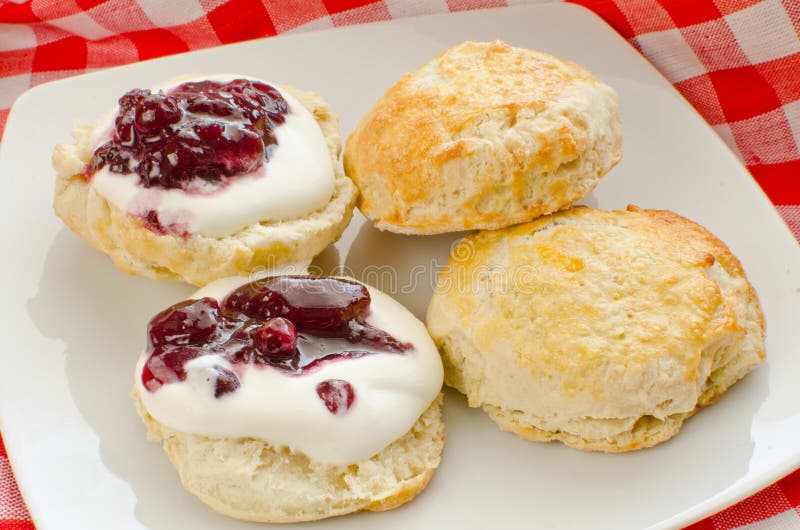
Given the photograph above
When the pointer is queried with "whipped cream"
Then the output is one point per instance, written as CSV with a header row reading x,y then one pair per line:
x,y
297,180
392,391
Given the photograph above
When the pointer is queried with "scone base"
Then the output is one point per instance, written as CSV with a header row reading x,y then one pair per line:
x,y
251,480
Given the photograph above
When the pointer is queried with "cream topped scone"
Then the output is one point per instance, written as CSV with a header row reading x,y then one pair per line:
x,y
293,398
205,178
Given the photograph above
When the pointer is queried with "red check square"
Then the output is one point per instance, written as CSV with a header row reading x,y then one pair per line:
x,y
156,43
64,54
690,12
790,485
781,183
743,93
86,5
338,6
239,20
13,13
705,524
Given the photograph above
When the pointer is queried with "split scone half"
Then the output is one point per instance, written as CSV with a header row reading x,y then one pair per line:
x,y
293,398
206,177
604,330
483,136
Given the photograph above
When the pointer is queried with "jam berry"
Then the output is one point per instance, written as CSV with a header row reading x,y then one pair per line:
x,y
276,338
152,222
337,394
322,306
226,382
291,323
189,322
153,114
168,367
194,137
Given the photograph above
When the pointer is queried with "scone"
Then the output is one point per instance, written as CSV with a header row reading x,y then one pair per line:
x,y
206,178
604,330
483,136
293,398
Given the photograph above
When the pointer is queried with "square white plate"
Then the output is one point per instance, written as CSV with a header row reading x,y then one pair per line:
x,y
73,324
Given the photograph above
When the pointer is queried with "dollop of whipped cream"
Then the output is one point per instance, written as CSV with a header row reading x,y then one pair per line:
x,y
383,397
296,180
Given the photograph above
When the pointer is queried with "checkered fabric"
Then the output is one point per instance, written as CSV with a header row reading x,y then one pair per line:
x,y
736,61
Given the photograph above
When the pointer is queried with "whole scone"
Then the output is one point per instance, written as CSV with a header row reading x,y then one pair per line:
x,y
485,136
604,330
293,398
197,258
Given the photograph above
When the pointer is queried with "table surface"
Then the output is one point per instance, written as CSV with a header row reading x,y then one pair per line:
x,y
736,61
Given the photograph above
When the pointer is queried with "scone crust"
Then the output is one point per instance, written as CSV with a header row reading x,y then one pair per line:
x,y
602,329
251,480
485,135
199,259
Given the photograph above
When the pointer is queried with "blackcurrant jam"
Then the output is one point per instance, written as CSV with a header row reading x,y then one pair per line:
x,y
290,323
194,137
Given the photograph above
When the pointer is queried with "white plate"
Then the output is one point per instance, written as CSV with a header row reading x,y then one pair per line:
x,y
73,324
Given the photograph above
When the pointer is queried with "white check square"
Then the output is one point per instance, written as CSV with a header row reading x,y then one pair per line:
x,y
671,54
764,31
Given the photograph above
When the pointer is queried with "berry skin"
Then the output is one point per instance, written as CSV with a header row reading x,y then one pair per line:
x,y
187,323
226,382
337,394
276,338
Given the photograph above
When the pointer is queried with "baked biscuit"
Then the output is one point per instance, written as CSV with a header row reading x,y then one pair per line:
x,y
485,136
604,330
199,258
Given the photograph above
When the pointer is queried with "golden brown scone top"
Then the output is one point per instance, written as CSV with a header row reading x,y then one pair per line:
x,y
585,321
483,136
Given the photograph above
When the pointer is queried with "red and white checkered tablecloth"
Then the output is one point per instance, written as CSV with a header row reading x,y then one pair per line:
x,y
736,61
